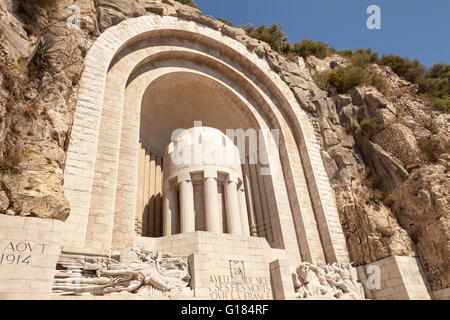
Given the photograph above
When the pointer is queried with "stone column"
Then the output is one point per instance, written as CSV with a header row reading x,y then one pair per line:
x,y
170,217
151,198
212,215
264,204
249,194
232,206
158,193
187,213
145,220
243,210
140,190
257,201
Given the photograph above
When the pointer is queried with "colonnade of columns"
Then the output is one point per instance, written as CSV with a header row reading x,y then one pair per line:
x,y
149,195
246,204
257,201
182,219
219,199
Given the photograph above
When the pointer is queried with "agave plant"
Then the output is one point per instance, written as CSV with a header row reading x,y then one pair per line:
x,y
43,55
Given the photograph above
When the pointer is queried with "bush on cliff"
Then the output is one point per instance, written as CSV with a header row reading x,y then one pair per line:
x,y
226,21
273,35
343,79
306,48
403,67
433,148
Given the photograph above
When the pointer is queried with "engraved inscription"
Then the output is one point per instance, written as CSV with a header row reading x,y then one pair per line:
x,y
19,253
239,286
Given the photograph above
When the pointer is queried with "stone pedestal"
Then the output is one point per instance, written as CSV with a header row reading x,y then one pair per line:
x,y
399,278
229,267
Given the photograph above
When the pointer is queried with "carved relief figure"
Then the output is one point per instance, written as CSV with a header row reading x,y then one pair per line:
x,y
327,281
138,271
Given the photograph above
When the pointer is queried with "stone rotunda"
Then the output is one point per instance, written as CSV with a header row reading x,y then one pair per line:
x,y
203,175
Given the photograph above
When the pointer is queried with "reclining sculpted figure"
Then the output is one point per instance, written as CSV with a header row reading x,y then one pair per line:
x,y
139,271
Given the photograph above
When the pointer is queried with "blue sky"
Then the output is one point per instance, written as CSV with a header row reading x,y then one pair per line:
x,y
417,29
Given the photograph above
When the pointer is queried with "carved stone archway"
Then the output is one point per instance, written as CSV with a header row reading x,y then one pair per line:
x,y
102,163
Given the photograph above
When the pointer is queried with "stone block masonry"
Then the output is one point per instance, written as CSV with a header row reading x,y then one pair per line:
x,y
29,249
401,278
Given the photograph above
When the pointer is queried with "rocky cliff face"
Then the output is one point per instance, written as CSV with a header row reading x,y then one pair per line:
x,y
391,200
36,106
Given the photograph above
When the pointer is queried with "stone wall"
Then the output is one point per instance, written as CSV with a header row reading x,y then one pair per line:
x,y
29,250
402,278
216,258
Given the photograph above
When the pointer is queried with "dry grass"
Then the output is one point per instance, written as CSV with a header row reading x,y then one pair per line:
x,y
30,109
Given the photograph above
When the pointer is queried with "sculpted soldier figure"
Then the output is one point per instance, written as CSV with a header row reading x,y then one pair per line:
x,y
327,281
139,272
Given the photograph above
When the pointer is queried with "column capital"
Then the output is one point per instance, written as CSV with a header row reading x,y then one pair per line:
x,y
184,177
210,173
232,177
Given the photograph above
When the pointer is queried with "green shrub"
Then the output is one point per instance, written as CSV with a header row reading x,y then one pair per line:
x,y
403,67
374,200
377,81
433,148
249,28
439,71
321,78
434,84
343,79
190,3
363,58
441,104
346,53
226,21
36,7
43,56
369,126
436,81
306,48
431,125
273,35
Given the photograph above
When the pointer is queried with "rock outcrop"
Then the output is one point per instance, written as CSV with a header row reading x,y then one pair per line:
x,y
422,206
37,106
372,168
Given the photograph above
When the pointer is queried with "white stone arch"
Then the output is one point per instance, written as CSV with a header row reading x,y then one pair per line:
x,y
90,117
309,252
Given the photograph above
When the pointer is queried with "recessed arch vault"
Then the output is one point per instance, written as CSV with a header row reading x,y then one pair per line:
x,y
123,67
